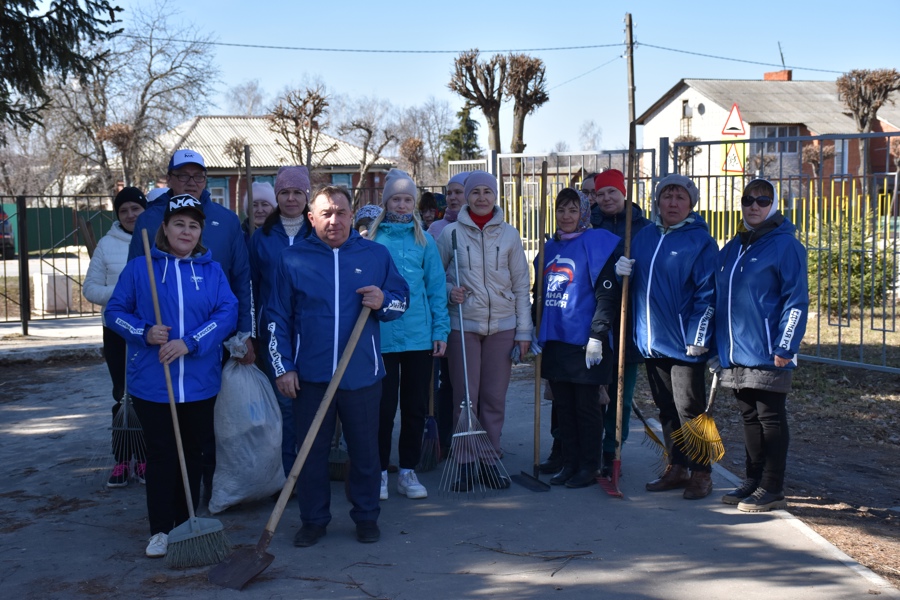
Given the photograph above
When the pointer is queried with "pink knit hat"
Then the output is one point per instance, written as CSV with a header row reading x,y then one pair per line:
x,y
292,177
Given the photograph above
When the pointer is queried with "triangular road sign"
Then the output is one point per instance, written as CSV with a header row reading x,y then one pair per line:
x,y
734,125
733,163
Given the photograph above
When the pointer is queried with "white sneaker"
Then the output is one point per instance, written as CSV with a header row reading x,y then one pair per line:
x,y
158,545
384,491
408,485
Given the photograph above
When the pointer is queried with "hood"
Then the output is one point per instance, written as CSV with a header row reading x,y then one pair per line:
x,y
118,233
199,259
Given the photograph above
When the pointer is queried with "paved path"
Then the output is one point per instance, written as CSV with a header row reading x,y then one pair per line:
x,y
63,536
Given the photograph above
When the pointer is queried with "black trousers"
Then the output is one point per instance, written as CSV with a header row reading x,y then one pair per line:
x,y
766,436
444,407
580,419
679,391
115,351
166,503
407,378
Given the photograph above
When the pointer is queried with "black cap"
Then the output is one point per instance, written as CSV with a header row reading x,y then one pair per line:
x,y
129,194
184,202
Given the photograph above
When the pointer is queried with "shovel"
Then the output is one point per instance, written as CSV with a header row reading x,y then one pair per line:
x,y
244,564
529,480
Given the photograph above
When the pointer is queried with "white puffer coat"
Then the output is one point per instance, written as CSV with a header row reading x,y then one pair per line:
x,y
493,267
107,263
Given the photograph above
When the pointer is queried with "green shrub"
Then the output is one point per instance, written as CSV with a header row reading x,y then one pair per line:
x,y
848,270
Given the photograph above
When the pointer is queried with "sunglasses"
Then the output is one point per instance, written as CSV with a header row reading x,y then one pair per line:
x,y
762,201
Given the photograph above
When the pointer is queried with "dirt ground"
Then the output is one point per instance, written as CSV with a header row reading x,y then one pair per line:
x,y
843,458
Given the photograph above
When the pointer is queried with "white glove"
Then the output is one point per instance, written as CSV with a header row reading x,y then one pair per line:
x,y
696,350
714,365
594,353
624,266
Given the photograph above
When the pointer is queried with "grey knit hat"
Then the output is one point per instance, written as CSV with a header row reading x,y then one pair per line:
x,y
680,181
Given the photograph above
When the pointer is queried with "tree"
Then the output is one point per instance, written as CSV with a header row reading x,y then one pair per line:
x,y
430,123
146,84
234,148
462,142
246,99
686,154
34,46
814,155
864,92
368,126
590,135
412,151
299,118
482,85
525,85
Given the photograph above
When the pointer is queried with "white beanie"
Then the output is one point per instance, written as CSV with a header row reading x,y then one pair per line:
x,y
262,191
398,182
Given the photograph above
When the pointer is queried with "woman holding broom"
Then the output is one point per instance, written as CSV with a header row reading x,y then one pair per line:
x,y
762,302
199,311
674,261
581,299
496,308
409,345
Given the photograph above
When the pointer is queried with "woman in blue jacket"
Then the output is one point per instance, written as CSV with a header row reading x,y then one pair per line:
x,y
672,303
762,302
199,311
409,345
580,300
283,228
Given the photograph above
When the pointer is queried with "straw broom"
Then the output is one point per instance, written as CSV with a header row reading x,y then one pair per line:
x,y
196,542
699,438
431,446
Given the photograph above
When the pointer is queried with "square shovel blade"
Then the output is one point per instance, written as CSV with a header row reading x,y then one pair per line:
x,y
240,567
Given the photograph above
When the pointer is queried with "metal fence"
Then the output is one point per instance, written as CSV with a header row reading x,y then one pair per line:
x,y
844,204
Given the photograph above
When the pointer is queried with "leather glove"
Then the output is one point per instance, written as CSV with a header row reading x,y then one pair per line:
x,y
594,353
697,350
624,266
714,365
535,347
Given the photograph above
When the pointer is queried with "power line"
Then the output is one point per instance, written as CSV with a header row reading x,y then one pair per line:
x,y
362,50
752,62
613,59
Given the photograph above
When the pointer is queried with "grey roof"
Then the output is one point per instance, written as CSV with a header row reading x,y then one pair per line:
x,y
811,103
209,135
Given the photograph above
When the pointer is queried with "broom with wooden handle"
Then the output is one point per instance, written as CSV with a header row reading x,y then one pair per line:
x,y
196,542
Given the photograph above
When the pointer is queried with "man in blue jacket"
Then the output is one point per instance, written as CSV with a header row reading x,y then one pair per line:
x,y
320,285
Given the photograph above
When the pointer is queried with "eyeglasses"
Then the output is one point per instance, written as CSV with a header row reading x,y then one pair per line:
x,y
184,177
762,201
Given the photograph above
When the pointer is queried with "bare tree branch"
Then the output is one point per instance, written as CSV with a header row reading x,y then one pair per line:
x,y
482,85
525,85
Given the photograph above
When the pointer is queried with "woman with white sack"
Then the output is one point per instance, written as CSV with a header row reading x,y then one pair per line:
x,y
286,225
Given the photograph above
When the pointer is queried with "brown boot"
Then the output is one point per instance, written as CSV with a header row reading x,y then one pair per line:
x,y
673,478
700,485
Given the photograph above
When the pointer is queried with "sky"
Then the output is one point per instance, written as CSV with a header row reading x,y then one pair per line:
x,y
818,40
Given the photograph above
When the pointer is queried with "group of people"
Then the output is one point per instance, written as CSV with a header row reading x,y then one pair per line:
x,y
298,273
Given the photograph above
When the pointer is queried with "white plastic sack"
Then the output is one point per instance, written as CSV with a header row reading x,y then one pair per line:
x,y
248,436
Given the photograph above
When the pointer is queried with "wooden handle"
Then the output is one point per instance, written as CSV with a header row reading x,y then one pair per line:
x,y
313,430
539,311
175,426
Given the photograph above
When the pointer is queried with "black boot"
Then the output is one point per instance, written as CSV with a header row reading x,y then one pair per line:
x,y
606,470
586,476
466,481
563,475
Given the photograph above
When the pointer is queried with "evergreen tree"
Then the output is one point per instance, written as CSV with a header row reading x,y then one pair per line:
x,y
462,142
34,44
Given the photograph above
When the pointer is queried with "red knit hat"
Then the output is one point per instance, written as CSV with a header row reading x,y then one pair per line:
x,y
610,178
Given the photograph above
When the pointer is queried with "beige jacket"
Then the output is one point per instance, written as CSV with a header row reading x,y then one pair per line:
x,y
493,267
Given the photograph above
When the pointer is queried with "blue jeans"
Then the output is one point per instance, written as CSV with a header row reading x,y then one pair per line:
x,y
359,410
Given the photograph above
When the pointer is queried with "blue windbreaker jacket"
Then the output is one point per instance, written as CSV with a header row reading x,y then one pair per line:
x,y
762,299
673,296
196,302
222,235
264,252
314,305
426,319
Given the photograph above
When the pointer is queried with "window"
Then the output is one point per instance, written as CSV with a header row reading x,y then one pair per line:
x,y
775,147
841,155
344,179
218,190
